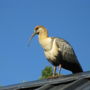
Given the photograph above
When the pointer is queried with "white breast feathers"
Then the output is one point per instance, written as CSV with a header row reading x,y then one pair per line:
x,y
53,52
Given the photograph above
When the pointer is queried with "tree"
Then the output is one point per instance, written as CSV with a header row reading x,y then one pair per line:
x,y
46,72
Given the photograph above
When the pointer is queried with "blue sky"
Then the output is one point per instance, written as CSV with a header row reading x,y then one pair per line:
x,y
69,19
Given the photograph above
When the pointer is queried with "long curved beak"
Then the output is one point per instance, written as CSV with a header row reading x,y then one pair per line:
x,y
31,38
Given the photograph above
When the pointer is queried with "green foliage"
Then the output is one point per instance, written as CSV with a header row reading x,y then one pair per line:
x,y
46,72
1,86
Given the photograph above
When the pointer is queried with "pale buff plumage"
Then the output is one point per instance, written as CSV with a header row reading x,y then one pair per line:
x,y
51,49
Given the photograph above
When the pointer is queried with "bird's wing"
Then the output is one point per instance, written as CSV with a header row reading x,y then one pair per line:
x,y
66,51
70,60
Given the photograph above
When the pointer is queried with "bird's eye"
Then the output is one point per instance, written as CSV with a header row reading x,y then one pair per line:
x,y
36,28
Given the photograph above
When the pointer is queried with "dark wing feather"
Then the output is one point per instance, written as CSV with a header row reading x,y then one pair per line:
x,y
69,59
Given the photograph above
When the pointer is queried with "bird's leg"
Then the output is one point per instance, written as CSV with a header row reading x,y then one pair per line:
x,y
59,68
54,71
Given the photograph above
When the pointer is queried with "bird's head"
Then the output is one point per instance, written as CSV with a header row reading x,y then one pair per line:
x,y
39,30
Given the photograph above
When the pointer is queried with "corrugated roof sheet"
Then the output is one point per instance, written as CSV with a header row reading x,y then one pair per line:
x,y
79,81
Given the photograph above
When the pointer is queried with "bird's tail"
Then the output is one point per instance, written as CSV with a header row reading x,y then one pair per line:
x,y
78,69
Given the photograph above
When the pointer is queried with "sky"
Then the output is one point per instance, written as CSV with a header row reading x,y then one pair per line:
x,y
68,19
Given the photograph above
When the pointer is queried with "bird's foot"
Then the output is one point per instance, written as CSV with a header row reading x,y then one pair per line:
x,y
54,76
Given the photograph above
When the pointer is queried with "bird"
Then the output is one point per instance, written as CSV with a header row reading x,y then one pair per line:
x,y
58,51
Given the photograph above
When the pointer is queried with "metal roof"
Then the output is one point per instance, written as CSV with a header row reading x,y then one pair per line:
x,y
79,81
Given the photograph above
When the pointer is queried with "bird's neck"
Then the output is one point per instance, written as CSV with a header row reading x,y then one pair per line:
x,y
45,41
43,35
